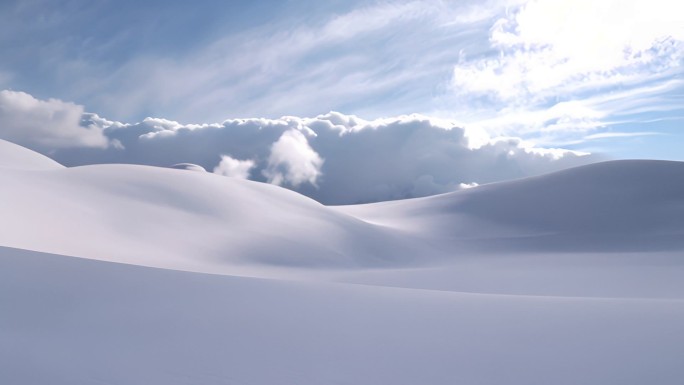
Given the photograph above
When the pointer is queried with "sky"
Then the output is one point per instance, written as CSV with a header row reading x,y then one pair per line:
x,y
561,82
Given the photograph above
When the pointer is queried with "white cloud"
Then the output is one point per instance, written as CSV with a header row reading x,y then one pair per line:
x,y
571,117
574,121
292,161
609,135
550,45
234,167
45,124
563,68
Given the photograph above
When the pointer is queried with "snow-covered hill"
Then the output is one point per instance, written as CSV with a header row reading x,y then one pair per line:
x,y
626,205
203,222
15,156
568,278
184,220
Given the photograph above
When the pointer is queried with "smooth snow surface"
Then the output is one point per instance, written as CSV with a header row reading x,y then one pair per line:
x,y
184,220
15,156
631,205
69,321
575,277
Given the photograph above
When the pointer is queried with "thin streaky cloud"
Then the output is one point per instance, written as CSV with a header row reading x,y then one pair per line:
x,y
607,135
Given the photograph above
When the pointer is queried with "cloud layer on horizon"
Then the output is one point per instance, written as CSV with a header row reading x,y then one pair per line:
x,y
333,158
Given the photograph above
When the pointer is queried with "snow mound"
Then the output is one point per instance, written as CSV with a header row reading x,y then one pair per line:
x,y
184,220
189,167
616,205
15,156
454,313
200,221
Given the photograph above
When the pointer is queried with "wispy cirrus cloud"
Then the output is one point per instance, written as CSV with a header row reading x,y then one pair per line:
x,y
608,135
376,58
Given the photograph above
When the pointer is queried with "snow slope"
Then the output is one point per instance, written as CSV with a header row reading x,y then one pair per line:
x,y
68,321
569,278
203,222
626,205
184,220
15,156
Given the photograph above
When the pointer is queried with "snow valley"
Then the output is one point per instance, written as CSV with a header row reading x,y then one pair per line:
x,y
125,274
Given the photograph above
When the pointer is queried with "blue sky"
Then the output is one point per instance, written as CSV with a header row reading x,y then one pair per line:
x,y
582,75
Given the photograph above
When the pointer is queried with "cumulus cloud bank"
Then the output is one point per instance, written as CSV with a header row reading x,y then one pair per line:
x,y
333,158
45,124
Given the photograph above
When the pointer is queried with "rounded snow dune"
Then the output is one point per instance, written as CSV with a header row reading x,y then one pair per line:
x,y
380,317
608,206
200,221
184,220
15,156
